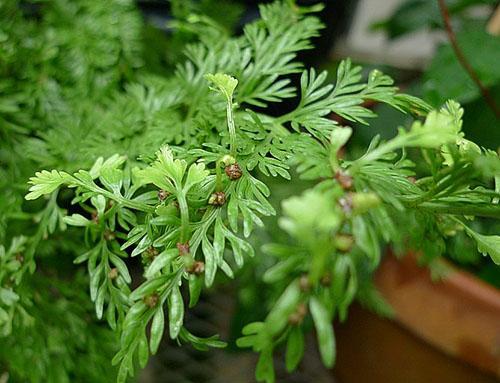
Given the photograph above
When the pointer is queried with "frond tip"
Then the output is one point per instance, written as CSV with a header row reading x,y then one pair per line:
x,y
45,182
224,83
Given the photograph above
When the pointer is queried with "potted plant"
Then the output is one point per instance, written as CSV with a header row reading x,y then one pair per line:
x,y
460,296
176,169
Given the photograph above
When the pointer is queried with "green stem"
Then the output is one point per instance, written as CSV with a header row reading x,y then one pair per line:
x,y
232,129
497,190
218,177
118,198
461,208
183,207
443,185
375,154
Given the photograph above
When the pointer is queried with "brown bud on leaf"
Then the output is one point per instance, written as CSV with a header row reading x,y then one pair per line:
x,y
163,194
109,235
183,248
412,179
346,204
344,180
151,300
113,273
217,198
151,251
326,280
233,171
297,317
197,268
304,283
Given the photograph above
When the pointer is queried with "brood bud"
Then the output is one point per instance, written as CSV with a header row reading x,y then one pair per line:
x,y
183,248
344,180
346,204
304,283
197,268
163,194
362,202
344,242
151,252
233,171
151,300
217,199
358,203
297,317
113,273
326,279
109,235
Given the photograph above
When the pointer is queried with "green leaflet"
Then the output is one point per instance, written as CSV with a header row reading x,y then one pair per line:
x,y
486,244
157,326
224,83
294,349
45,182
324,331
265,367
175,312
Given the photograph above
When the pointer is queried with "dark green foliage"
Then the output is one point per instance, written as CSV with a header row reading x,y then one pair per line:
x,y
141,162
445,77
482,51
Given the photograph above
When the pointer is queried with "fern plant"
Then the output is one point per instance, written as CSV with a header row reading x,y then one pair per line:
x,y
177,169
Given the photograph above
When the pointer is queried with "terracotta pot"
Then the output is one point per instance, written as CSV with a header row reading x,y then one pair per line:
x,y
459,315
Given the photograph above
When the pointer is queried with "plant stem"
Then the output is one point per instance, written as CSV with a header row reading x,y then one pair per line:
x,y
121,200
387,147
443,185
218,177
457,208
463,60
184,210
232,129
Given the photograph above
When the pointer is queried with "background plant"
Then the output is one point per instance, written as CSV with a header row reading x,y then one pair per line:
x,y
468,20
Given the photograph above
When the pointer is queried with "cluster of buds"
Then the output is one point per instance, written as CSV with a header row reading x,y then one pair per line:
x,y
343,242
150,253
217,198
95,217
326,279
233,171
197,268
344,180
358,203
113,273
346,204
298,315
231,167
109,235
163,194
151,300
183,248
304,283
